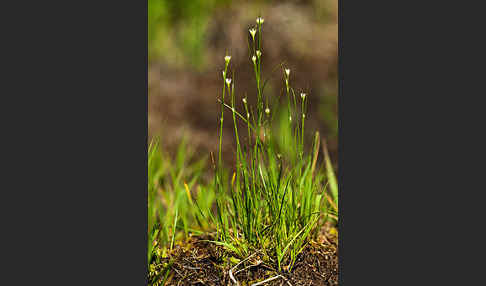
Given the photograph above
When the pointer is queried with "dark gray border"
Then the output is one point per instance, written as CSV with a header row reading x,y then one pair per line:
x,y
78,172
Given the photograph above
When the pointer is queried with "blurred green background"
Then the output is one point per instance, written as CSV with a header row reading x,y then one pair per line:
x,y
189,38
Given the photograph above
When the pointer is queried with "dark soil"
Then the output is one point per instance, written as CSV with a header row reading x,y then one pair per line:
x,y
198,262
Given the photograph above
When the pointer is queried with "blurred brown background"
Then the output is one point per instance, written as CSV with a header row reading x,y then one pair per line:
x,y
187,44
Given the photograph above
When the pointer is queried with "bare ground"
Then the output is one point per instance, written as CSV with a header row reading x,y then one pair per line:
x,y
199,262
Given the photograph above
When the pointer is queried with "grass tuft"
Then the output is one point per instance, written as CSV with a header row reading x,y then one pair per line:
x,y
275,198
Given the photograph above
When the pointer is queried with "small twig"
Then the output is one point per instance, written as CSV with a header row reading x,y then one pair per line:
x,y
286,280
258,263
267,280
231,270
268,267
233,278
192,268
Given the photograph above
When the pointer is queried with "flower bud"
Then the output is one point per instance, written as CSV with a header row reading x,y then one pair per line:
x,y
253,32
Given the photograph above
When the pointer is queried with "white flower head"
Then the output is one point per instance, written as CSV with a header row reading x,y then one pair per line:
x,y
253,59
302,95
303,115
260,20
224,74
287,72
227,59
258,53
244,100
267,110
253,32
228,81
248,115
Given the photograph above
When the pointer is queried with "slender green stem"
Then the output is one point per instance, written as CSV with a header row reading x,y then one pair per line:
x,y
222,113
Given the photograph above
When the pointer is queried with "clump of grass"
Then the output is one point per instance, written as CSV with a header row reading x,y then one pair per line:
x,y
277,197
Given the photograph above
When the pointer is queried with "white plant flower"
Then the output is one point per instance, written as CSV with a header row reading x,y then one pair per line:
x,y
244,100
303,115
302,95
258,53
260,20
227,59
287,71
248,115
228,81
253,59
224,74
253,32
267,110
